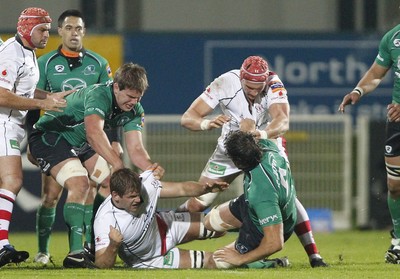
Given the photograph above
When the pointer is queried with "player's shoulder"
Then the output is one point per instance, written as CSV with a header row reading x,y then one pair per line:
x,y
97,57
45,58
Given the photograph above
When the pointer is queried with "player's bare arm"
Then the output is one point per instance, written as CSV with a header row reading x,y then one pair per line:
x,y
105,258
138,154
271,243
368,83
97,138
190,188
279,124
10,100
194,118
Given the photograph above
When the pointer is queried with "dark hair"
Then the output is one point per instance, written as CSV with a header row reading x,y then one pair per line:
x,y
125,181
243,150
67,13
131,76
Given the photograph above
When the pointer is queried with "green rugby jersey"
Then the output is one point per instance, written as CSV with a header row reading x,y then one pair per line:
x,y
95,99
270,192
61,73
389,56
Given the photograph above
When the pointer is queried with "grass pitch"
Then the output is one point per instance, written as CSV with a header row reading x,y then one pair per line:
x,y
350,254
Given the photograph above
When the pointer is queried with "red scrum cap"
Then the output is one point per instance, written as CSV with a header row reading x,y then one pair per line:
x,y
29,19
255,69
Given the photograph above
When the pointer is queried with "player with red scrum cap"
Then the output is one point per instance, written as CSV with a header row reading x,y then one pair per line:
x,y
251,92
19,75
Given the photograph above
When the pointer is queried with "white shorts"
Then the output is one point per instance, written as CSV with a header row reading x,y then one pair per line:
x,y
11,136
178,225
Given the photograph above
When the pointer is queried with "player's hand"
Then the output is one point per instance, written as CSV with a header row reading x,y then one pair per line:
x,y
217,186
229,255
393,112
56,101
115,236
247,125
351,98
218,121
158,171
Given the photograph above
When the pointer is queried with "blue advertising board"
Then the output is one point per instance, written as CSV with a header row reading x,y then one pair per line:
x,y
317,71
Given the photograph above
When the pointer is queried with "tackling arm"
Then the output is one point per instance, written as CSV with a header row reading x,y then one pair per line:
x,y
279,124
97,138
193,118
271,243
190,188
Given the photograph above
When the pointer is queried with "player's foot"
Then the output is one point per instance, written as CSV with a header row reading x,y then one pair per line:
x,y
268,263
80,260
393,253
282,262
318,262
42,259
8,254
89,251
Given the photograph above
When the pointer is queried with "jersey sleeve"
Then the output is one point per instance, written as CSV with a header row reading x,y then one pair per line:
x,y
137,121
8,71
98,102
106,73
216,90
276,93
101,228
266,207
383,58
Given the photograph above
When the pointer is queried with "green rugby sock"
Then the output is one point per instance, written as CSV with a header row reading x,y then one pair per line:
x,y
394,209
45,218
73,216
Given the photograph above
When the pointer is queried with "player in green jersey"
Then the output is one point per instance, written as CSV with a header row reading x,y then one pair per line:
x,y
72,145
69,67
265,213
388,58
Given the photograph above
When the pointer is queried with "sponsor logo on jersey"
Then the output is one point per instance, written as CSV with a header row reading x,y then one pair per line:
x,y
388,149
216,169
169,258
276,87
73,83
4,73
89,70
396,42
122,120
14,144
109,72
268,219
207,92
59,68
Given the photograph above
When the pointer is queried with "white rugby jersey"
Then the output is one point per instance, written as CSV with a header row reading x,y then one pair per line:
x,y
226,91
19,73
141,236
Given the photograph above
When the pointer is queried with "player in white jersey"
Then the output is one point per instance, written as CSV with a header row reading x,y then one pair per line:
x,y
19,75
253,92
127,223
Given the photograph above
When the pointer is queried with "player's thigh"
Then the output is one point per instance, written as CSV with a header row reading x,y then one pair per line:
x,y
221,218
98,169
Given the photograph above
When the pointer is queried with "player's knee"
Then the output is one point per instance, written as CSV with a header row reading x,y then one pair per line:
x,y
214,222
71,169
101,171
205,233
